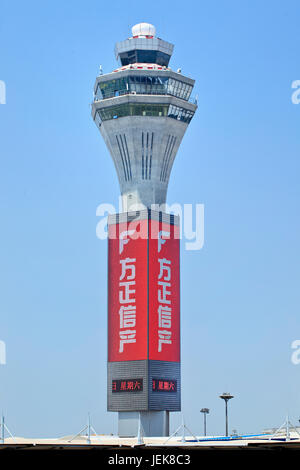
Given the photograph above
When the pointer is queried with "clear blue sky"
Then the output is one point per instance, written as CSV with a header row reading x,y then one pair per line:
x,y
240,157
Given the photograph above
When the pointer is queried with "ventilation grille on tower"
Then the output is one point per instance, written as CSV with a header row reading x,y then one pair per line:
x,y
147,148
123,149
167,156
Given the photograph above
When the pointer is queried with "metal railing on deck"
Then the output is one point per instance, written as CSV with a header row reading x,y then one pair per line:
x,y
162,92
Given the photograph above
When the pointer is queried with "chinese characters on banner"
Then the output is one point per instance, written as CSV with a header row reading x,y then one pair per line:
x,y
127,291
164,308
143,292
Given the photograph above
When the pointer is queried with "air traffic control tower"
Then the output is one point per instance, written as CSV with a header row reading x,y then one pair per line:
x,y
142,110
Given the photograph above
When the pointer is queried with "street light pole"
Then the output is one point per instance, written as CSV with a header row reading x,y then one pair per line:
x,y
205,411
226,397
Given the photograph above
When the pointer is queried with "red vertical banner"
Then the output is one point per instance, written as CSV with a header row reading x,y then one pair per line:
x,y
127,291
164,292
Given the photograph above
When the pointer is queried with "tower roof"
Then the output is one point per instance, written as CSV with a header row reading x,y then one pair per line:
x,y
144,47
143,29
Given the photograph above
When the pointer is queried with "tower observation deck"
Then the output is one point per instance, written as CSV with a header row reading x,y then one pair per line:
x,y
142,110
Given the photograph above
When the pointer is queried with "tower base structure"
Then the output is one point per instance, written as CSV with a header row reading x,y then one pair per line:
x,y
148,423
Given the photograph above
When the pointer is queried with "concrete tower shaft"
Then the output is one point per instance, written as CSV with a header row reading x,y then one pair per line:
x,y
142,110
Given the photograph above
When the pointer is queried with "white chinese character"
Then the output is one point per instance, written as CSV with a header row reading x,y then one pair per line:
x,y
164,338
125,265
164,265
160,241
164,316
127,316
127,336
123,240
162,294
124,296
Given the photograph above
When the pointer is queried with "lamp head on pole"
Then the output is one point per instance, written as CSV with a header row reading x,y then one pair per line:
x,y
226,396
204,410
